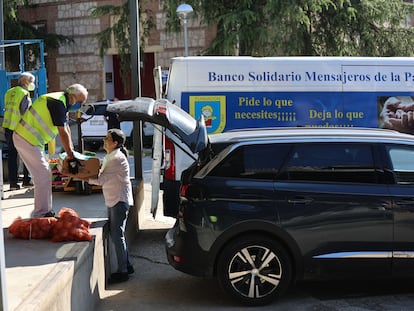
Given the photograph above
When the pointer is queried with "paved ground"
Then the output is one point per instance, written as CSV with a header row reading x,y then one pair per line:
x,y
27,262
157,286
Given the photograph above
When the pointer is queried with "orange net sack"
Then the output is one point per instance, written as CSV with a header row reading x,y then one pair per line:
x,y
70,227
34,228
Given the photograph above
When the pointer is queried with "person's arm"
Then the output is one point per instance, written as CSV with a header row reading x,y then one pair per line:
x,y
58,114
110,171
66,140
24,104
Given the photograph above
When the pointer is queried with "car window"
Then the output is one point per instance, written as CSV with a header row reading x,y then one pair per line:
x,y
97,109
331,162
256,161
100,109
402,163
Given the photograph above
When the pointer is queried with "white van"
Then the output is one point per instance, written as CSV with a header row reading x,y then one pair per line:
x,y
248,92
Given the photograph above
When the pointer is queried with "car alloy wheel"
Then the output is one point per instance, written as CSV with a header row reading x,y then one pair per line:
x,y
254,270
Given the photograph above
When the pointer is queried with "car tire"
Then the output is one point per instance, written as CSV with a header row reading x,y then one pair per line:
x,y
242,276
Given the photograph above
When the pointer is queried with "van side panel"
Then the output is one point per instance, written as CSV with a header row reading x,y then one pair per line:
x,y
247,92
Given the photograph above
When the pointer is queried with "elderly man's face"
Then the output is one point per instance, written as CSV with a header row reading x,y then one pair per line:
x,y
78,98
81,98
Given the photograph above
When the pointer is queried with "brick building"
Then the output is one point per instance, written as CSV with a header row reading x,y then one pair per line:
x,y
80,62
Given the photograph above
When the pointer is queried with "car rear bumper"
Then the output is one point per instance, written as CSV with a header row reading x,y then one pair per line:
x,y
185,255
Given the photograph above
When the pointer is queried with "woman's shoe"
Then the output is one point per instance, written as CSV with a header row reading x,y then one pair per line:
x,y
14,187
118,277
27,184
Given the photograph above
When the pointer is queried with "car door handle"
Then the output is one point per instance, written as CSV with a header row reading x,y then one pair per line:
x,y
300,200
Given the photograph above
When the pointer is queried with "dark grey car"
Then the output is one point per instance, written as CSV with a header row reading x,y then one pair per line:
x,y
261,209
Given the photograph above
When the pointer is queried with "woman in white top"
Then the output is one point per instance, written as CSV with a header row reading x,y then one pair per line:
x,y
116,187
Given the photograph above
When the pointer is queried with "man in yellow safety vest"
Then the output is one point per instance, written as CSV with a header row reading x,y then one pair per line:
x,y
16,101
46,118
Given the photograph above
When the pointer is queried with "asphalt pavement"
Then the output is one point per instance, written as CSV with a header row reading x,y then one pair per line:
x,y
157,286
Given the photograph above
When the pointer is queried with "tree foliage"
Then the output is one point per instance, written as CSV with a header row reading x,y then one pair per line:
x,y
304,27
17,29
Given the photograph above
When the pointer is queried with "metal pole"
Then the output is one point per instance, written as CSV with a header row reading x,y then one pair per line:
x,y
184,12
136,82
185,37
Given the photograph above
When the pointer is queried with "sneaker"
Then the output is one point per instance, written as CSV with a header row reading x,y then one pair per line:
x,y
14,187
27,184
118,277
130,269
49,214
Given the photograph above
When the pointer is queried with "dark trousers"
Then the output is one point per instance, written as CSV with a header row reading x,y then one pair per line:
x,y
117,216
12,162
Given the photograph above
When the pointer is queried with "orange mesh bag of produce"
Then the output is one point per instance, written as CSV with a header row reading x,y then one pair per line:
x,y
70,227
34,228
66,212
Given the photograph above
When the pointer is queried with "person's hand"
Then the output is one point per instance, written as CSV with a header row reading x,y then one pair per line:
x,y
398,115
73,165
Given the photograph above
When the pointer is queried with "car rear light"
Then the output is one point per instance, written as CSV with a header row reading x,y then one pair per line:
x,y
177,259
183,190
169,160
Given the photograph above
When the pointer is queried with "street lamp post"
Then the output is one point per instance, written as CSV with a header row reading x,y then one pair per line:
x,y
184,12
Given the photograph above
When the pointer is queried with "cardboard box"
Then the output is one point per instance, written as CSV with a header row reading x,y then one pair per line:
x,y
89,166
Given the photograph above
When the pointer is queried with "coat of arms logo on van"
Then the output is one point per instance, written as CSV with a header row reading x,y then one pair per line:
x,y
213,109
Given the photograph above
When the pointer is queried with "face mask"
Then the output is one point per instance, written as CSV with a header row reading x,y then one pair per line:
x,y
31,86
74,107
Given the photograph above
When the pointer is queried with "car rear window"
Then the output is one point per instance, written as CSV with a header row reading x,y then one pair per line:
x,y
256,161
98,110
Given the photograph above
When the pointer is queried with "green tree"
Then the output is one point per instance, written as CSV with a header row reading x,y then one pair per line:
x,y
17,29
304,27
120,31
